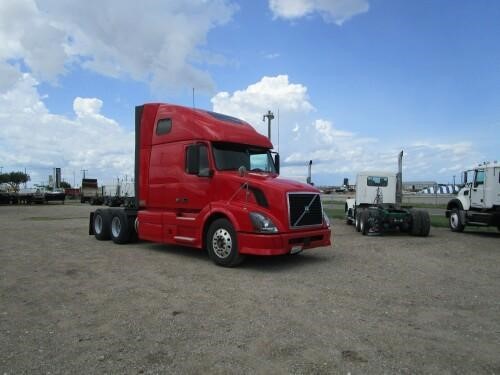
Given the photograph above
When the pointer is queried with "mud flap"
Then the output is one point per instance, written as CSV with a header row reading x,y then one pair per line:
x,y
91,227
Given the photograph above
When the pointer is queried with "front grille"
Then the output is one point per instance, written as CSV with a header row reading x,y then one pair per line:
x,y
304,209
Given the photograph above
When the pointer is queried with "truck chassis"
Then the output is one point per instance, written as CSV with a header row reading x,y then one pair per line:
x,y
381,218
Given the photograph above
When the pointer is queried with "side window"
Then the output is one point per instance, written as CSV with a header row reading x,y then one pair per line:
x,y
203,163
479,180
259,161
204,160
163,126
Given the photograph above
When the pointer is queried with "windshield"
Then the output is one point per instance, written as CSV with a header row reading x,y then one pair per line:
x,y
231,156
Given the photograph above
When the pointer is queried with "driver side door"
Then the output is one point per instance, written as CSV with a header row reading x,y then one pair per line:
x,y
477,191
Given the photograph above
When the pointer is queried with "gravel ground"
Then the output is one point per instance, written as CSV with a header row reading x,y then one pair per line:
x,y
391,304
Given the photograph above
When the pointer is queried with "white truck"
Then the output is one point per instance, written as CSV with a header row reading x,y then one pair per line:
x,y
119,194
377,205
478,202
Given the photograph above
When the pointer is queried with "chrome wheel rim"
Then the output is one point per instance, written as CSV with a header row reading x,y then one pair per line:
x,y
98,224
116,226
222,243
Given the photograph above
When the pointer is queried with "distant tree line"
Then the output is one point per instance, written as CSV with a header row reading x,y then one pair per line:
x,y
14,179
65,185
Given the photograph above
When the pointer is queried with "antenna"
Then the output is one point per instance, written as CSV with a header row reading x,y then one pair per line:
x,y
84,170
193,99
278,129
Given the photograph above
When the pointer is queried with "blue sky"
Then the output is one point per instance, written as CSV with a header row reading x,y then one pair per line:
x,y
354,81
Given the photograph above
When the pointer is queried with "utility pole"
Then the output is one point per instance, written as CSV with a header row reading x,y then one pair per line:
x,y
270,116
399,181
1,169
84,170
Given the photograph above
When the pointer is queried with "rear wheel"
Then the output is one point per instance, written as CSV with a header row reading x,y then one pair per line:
x,y
101,225
122,227
222,244
416,220
425,223
456,224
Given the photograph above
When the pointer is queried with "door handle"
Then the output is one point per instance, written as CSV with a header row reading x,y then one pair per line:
x,y
181,200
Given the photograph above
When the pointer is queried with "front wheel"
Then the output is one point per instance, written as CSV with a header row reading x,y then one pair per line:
x,y
222,244
348,217
456,224
357,221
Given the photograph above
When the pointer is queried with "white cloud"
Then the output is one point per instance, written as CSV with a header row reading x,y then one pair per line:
x,y
327,133
30,35
8,76
270,93
336,11
159,43
87,106
32,137
272,56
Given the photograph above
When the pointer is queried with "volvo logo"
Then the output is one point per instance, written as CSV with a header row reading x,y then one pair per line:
x,y
306,209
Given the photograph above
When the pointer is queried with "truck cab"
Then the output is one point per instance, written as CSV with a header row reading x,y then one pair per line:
x,y
478,201
208,180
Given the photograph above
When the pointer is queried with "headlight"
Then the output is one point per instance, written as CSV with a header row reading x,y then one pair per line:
x,y
262,223
326,219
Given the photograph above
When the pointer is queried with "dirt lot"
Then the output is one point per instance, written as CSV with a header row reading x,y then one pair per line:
x,y
392,304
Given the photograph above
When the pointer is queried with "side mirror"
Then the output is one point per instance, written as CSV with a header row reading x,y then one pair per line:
x,y
277,163
465,177
193,159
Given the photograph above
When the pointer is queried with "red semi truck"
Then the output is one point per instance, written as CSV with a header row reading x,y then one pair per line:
x,y
209,181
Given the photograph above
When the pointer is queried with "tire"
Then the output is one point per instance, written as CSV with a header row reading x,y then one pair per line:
x,y
121,228
102,225
222,244
348,218
364,224
416,220
357,221
455,221
425,223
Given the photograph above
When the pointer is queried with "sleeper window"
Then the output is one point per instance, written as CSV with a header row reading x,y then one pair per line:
x,y
164,126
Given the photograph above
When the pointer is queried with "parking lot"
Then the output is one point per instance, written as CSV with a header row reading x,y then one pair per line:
x,y
388,304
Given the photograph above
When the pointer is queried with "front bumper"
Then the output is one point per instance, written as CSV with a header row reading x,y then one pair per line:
x,y
282,243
